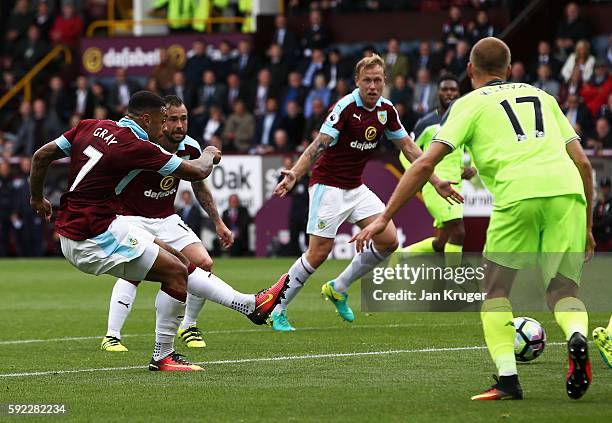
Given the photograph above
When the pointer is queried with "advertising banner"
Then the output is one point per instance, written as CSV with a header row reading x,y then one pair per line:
x,y
241,175
413,222
101,56
478,200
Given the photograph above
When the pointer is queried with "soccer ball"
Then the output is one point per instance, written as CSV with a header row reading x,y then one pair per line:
x,y
530,339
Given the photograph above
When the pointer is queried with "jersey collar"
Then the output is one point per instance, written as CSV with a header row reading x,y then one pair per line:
x,y
494,82
136,129
359,103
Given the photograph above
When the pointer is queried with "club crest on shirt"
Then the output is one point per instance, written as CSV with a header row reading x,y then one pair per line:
x,y
370,132
382,116
167,182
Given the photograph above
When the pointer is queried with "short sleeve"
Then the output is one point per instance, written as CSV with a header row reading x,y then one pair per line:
x,y
457,126
64,141
148,156
334,122
568,133
192,147
394,130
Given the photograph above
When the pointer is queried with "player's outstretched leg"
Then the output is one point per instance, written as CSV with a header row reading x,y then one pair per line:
x,y
122,298
423,246
256,307
267,299
381,247
603,340
188,331
571,315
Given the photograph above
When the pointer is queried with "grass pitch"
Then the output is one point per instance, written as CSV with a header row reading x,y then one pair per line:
x,y
416,367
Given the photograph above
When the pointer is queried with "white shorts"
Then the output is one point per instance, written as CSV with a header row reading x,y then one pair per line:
x,y
123,251
331,206
171,230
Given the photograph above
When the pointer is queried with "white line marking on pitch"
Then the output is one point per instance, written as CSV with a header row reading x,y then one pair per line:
x,y
264,359
84,338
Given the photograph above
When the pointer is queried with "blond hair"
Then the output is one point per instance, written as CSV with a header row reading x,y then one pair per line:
x,y
369,62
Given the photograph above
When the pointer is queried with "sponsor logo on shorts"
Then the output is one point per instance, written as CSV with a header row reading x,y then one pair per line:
x,y
133,241
159,194
363,145
321,224
370,133
167,182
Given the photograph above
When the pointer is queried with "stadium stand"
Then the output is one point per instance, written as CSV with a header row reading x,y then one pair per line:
x,y
268,93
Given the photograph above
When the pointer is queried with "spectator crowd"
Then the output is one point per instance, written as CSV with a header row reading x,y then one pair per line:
x,y
274,101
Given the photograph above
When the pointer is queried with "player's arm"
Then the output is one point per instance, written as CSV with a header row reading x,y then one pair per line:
x,y
206,200
410,183
42,159
304,163
413,152
198,169
575,151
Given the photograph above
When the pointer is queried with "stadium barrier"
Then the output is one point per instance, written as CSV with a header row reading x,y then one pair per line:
x,y
25,83
126,24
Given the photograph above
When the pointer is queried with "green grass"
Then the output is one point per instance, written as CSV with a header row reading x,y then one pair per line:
x,y
48,299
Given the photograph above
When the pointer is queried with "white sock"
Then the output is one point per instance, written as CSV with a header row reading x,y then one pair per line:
x,y
193,306
121,302
298,273
170,311
206,285
361,264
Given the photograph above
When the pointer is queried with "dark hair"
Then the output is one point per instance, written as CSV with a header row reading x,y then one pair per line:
x,y
143,102
448,77
173,101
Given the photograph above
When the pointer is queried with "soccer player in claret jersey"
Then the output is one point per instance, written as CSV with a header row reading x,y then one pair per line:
x,y
448,218
346,141
530,158
102,153
146,201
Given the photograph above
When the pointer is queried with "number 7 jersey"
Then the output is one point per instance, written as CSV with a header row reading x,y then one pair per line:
x,y
517,136
103,154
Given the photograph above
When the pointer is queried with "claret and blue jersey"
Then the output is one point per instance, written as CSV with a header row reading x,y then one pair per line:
x,y
102,154
356,132
151,194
